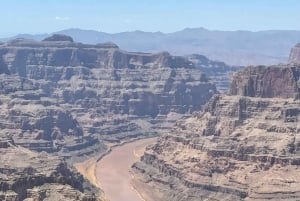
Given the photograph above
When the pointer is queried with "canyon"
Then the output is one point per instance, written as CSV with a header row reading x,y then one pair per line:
x,y
66,107
69,102
114,173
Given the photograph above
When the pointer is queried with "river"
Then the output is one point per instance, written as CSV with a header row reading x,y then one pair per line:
x,y
113,171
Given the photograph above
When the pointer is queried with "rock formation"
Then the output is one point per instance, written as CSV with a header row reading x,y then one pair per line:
x,y
62,96
242,146
218,72
295,54
30,176
267,82
74,100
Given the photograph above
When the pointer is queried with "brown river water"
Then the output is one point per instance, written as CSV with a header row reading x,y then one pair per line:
x,y
113,171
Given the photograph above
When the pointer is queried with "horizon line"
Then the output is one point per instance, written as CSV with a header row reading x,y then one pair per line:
x,y
11,35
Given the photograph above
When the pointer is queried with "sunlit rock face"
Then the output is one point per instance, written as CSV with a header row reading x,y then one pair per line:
x,y
242,146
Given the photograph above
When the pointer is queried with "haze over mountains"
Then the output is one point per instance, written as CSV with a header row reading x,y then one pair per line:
x,y
232,47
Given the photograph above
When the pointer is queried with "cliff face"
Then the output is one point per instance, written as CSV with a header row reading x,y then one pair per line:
x,y
62,96
267,82
295,54
218,72
27,175
238,148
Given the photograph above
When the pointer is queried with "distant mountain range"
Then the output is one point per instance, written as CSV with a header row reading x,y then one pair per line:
x,y
232,47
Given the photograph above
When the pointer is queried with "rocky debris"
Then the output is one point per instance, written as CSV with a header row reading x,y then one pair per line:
x,y
218,72
28,175
295,54
243,146
267,82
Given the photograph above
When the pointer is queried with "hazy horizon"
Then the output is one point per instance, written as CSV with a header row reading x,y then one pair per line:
x,y
36,17
76,28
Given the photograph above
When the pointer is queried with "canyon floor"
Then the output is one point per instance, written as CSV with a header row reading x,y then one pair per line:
x,y
113,172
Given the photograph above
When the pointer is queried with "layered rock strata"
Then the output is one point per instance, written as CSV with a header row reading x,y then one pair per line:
x,y
61,96
31,176
218,72
267,82
243,146
75,100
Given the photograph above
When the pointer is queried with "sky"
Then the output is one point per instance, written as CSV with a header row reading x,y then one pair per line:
x,y
112,16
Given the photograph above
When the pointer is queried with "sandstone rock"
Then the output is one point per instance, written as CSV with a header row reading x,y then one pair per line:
x,y
237,148
27,175
267,82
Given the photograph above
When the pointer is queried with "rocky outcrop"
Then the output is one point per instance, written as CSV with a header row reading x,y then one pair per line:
x,y
218,72
295,54
27,175
243,146
267,82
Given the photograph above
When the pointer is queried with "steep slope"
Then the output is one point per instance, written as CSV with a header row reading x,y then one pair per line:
x,y
243,146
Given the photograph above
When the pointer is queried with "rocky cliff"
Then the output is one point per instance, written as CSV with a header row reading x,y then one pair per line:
x,y
74,100
295,54
218,72
267,82
31,176
242,146
62,96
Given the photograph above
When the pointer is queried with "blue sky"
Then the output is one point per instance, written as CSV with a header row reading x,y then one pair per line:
x,y
37,16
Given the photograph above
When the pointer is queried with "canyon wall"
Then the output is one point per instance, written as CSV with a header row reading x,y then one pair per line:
x,y
61,96
66,101
242,146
